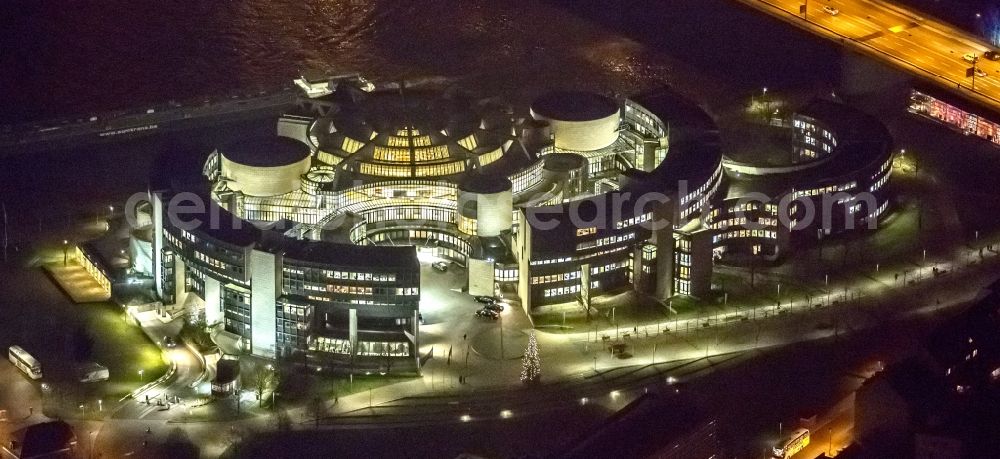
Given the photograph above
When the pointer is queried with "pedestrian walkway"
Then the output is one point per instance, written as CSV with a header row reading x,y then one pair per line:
x,y
77,282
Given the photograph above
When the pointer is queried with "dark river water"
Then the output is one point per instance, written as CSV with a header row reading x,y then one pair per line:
x,y
76,57
73,57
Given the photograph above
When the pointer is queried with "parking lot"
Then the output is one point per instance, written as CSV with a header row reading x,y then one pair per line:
x,y
450,321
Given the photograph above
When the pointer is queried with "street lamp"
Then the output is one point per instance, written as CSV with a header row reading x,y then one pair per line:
x,y
141,371
65,252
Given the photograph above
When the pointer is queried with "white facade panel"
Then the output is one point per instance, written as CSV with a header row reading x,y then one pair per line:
x,y
213,301
264,181
264,278
586,135
157,203
481,277
494,213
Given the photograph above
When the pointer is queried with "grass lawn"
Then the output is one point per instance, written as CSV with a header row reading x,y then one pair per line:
x,y
40,318
121,347
300,387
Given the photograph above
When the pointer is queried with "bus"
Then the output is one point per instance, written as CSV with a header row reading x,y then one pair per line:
x,y
792,444
25,362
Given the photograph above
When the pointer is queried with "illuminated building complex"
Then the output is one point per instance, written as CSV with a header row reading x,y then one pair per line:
x,y
311,241
835,182
965,117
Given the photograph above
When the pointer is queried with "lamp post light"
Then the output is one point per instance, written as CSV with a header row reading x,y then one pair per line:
x,y
141,371
763,101
65,252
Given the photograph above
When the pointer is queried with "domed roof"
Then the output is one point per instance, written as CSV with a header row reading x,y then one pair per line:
x,y
574,106
564,162
484,183
413,133
270,151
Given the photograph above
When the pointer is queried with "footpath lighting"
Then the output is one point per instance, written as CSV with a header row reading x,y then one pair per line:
x,y
615,394
465,418
141,371
506,414
584,400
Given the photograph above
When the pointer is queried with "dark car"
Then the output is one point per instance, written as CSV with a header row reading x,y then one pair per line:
x,y
486,299
168,341
992,55
497,307
487,313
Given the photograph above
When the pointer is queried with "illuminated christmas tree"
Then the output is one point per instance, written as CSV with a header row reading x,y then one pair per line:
x,y
531,371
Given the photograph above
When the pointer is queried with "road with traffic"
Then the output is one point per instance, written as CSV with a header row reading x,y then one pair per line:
x,y
922,45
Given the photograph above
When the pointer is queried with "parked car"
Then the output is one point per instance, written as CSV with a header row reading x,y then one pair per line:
x,y
440,266
486,299
488,314
494,307
969,57
980,73
831,10
992,55
92,372
169,342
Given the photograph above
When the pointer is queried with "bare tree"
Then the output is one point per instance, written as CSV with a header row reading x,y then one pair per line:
x,y
265,379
